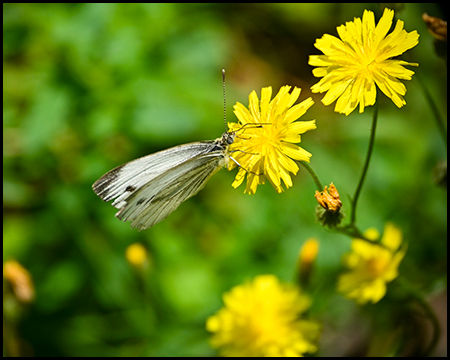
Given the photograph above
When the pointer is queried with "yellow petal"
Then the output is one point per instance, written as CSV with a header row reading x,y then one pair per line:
x,y
383,26
240,176
266,93
392,236
253,106
300,127
242,114
294,96
295,152
298,110
288,163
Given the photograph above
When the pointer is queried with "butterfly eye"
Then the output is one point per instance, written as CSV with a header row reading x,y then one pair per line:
x,y
230,138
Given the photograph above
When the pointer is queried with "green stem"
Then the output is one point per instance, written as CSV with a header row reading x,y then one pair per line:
x,y
313,174
353,232
434,109
366,164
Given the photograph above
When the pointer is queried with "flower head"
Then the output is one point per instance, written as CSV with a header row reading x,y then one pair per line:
x,y
372,266
137,256
361,58
20,280
261,318
265,139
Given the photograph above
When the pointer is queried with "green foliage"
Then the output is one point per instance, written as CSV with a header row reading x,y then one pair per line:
x,y
87,87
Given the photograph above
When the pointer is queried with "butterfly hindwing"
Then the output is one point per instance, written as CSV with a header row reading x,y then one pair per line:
x,y
161,196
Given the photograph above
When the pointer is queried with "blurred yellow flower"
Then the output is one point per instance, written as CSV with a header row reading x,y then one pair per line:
x,y
266,135
306,259
20,280
361,58
137,255
308,252
261,318
372,266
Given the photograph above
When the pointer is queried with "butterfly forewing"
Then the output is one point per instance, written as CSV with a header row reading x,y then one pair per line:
x,y
120,182
148,189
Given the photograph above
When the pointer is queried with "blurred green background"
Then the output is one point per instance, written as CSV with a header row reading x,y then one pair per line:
x,y
87,87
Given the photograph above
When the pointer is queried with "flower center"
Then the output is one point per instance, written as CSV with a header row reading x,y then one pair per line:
x,y
267,328
269,136
376,267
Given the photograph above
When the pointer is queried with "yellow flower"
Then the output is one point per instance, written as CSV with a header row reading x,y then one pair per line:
x,y
308,252
361,58
20,280
306,259
372,266
261,318
137,255
265,139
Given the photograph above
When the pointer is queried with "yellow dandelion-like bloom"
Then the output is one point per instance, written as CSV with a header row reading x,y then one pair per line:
x,y
372,266
361,58
265,139
261,318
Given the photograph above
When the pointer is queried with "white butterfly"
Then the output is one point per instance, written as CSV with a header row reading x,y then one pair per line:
x,y
148,189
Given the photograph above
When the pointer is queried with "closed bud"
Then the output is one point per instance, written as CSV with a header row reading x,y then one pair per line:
x,y
329,212
306,260
437,27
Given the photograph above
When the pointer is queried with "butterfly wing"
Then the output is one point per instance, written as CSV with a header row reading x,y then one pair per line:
x,y
161,196
121,182
148,189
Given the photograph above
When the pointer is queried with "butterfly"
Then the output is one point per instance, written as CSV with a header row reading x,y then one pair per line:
x,y
148,189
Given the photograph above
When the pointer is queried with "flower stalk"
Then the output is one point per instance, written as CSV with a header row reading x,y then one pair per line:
x,y
366,165
313,175
434,109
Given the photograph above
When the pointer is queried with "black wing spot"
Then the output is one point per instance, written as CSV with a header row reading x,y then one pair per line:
x,y
130,188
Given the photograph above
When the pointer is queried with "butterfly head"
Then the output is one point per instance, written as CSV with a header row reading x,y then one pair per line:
x,y
228,137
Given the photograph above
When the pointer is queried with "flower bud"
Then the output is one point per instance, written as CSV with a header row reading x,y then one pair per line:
x,y
329,212
436,27
306,260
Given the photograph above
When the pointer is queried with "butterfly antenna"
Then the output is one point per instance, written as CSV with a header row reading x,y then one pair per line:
x,y
224,100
